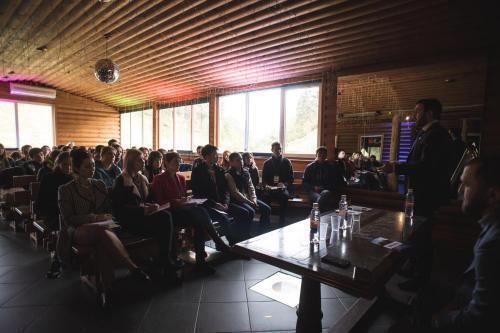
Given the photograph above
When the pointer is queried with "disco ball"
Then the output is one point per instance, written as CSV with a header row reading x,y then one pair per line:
x,y
106,71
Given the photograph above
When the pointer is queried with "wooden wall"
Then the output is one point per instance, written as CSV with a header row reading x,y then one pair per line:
x,y
78,119
397,90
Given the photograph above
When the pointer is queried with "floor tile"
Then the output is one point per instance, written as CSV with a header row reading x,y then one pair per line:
x,y
8,291
347,302
253,296
231,270
14,320
224,291
271,316
332,310
25,274
188,292
170,317
328,292
223,317
258,271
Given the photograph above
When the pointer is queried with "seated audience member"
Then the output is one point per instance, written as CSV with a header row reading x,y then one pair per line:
x,y
153,166
106,170
32,166
249,164
319,180
15,156
66,148
242,191
373,164
170,187
474,307
84,201
97,154
162,151
5,161
119,155
112,142
208,181
145,154
225,160
133,209
25,156
199,158
46,204
47,165
46,151
346,167
277,177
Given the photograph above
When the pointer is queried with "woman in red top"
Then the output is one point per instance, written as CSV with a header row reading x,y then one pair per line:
x,y
170,187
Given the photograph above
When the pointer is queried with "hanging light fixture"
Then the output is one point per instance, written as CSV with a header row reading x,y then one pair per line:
x,y
105,69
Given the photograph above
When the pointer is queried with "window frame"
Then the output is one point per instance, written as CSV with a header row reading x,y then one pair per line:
x,y
282,130
191,104
142,127
16,116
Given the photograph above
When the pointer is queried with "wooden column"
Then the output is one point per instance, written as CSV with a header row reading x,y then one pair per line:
x,y
328,111
394,148
156,126
490,140
212,119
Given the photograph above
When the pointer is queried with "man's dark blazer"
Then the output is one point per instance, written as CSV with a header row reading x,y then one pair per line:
x,y
429,169
481,313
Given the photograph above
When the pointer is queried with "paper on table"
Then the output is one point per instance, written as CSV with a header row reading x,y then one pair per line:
x,y
108,224
193,201
162,207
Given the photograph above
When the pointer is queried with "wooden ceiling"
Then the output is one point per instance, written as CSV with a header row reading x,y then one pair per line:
x,y
172,50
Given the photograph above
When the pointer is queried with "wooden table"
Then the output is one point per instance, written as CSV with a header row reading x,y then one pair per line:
x,y
290,248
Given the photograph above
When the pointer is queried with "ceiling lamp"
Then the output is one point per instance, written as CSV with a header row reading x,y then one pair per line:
x,y
105,69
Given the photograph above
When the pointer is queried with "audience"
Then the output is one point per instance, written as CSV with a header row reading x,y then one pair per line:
x,y
34,164
170,187
97,154
84,201
242,191
277,177
320,178
5,161
119,155
249,164
47,165
225,160
106,170
145,154
25,156
133,208
46,204
46,151
15,156
153,165
208,182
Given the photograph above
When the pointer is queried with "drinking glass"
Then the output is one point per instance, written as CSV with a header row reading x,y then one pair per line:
x,y
355,222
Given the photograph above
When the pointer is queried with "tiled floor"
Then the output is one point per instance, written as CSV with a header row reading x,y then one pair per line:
x,y
219,303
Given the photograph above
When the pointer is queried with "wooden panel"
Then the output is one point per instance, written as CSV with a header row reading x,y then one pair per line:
x,y
78,119
172,49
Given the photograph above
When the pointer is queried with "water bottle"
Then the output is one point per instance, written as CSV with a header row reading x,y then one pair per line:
x,y
409,202
343,211
314,217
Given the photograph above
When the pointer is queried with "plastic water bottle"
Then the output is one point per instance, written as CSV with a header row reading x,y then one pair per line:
x,y
409,203
314,217
343,211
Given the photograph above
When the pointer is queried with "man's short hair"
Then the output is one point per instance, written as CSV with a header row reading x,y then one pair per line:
x,y
321,149
34,151
112,142
107,150
433,105
275,143
233,156
487,170
207,150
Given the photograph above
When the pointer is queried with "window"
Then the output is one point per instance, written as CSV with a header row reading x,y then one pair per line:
x,y
184,127
371,145
253,120
137,129
26,123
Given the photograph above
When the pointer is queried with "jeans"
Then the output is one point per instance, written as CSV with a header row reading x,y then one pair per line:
x,y
264,209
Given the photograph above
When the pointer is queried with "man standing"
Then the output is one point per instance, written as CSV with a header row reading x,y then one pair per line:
x,y
428,168
277,177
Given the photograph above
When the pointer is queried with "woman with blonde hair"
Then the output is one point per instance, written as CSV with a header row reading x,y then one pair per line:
x,y
137,214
